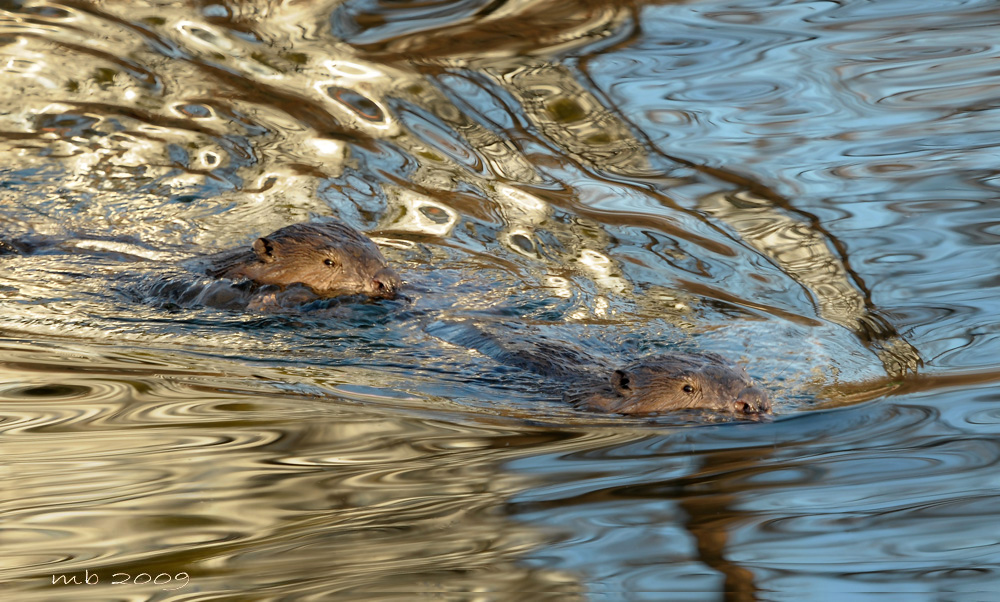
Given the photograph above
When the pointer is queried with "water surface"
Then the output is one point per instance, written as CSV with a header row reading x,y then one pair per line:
x,y
806,188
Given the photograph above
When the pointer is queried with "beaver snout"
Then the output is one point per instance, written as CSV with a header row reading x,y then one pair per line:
x,y
385,283
752,400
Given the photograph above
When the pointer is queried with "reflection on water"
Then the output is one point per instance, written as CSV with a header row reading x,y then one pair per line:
x,y
808,189
184,478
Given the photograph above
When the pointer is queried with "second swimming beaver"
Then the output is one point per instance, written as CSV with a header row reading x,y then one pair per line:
x,y
660,383
675,381
331,259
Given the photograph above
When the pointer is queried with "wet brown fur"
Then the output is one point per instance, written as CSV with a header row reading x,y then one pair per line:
x,y
331,258
676,381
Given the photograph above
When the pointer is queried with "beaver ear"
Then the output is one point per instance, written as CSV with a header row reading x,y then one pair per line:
x,y
264,249
622,381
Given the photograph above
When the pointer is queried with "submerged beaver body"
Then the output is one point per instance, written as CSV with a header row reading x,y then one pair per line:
x,y
331,259
655,384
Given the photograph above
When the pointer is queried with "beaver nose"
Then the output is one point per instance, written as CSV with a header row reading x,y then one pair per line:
x,y
385,283
752,400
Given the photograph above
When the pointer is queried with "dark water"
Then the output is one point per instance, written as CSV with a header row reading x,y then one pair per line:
x,y
809,188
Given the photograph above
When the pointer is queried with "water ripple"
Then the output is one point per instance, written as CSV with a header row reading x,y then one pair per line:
x,y
807,188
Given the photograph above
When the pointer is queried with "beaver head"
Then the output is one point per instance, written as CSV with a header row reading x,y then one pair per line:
x,y
330,258
679,381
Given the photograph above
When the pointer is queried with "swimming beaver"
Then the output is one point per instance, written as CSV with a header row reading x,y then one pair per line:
x,y
332,259
659,383
292,266
675,381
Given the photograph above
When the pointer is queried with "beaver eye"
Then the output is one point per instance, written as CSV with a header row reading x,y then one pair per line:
x,y
330,263
688,389
621,380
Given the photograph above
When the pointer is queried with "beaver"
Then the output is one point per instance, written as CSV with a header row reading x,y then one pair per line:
x,y
675,381
659,383
331,259
284,270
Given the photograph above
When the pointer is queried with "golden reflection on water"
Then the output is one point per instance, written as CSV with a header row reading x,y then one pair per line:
x,y
239,492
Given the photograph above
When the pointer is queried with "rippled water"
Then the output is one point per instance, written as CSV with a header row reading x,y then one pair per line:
x,y
809,188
